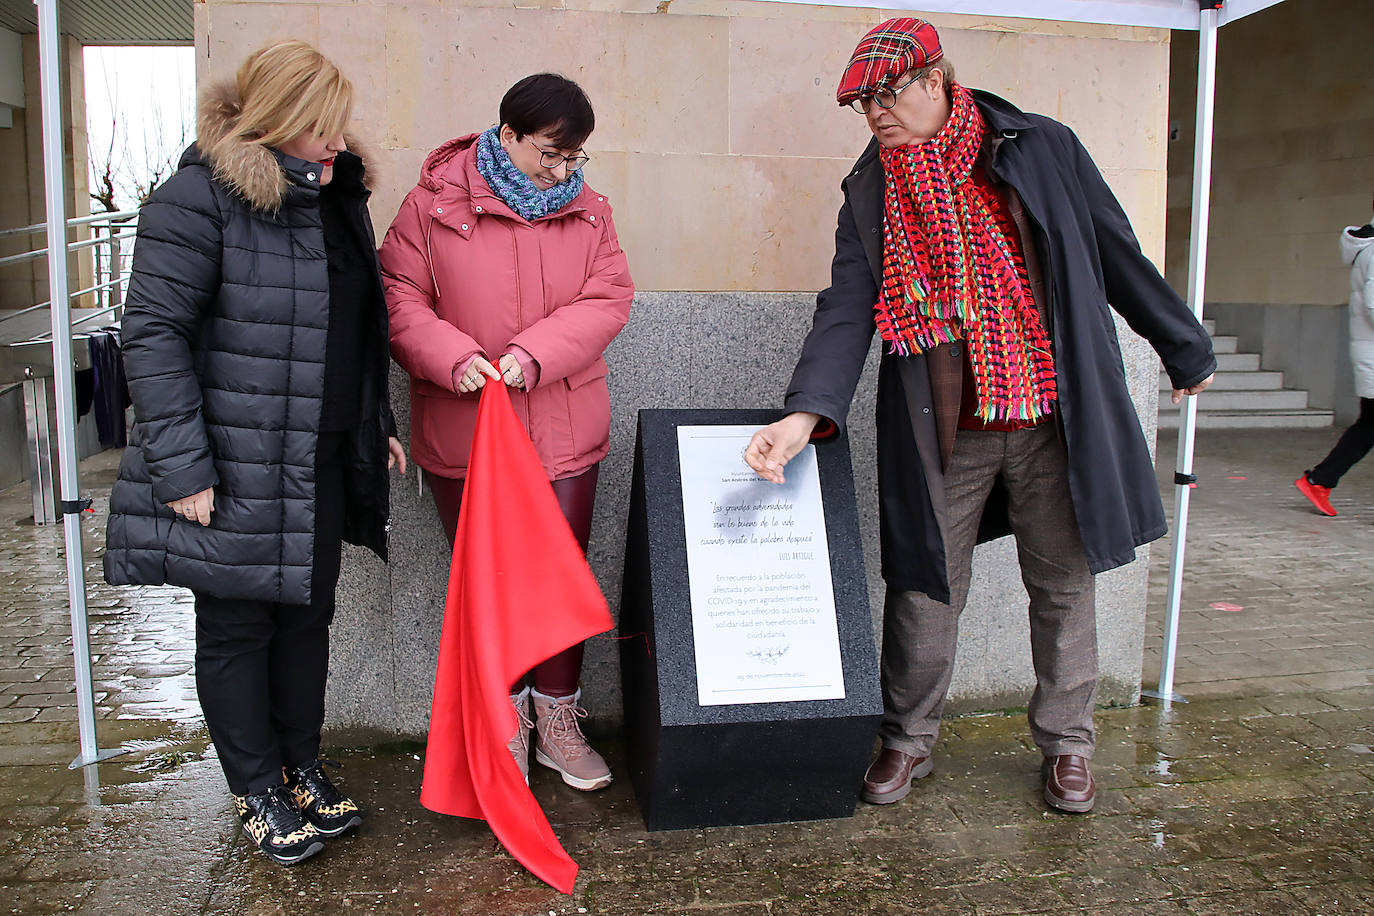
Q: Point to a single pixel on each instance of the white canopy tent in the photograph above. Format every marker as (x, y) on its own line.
(1161, 14)
(1205, 16)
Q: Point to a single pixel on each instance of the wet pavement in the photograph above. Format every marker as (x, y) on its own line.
(1257, 796)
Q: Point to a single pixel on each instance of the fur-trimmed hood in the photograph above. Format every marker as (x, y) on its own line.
(261, 175)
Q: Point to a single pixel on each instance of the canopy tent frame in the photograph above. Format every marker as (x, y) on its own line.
(1204, 16)
(1184, 478)
(70, 505)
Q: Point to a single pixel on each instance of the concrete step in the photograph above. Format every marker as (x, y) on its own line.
(1209, 401)
(1224, 344)
(1210, 325)
(1242, 396)
(1238, 362)
(1307, 418)
(1235, 381)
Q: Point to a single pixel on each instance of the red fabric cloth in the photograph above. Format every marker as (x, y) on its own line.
(968, 405)
(513, 601)
(949, 271)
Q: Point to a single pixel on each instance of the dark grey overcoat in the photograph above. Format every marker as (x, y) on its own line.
(1091, 260)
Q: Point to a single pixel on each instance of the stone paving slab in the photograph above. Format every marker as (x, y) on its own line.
(1276, 597)
(1256, 797)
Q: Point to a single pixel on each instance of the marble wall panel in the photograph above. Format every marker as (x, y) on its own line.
(717, 107)
(1141, 195)
(730, 222)
(1112, 93)
(448, 66)
(234, 30)
(1291, 159)
(782, 91)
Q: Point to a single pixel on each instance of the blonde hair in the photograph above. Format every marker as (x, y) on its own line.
(288, 89)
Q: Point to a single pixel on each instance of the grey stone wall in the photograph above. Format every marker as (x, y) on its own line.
(684, 350)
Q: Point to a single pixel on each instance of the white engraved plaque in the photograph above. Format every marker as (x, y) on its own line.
(758, 569)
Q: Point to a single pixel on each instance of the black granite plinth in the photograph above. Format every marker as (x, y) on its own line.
(756, 763)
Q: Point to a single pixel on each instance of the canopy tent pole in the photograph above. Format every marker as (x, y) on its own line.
(1197, 283)
(70, 507)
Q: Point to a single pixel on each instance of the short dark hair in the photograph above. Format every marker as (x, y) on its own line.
(552, 104)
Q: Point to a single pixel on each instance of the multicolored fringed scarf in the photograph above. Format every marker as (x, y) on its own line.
(950, 272)
(515, 187)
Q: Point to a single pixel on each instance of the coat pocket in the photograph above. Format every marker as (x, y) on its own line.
(441, 434)
(589, 411)
(590, 374)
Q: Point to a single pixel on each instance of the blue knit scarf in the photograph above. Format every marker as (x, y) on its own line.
(516, 188)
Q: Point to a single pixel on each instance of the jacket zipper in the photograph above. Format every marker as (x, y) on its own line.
(429, 253)
(519, 325)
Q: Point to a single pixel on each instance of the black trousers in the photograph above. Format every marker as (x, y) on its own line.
(261, 665)
(1354, 444)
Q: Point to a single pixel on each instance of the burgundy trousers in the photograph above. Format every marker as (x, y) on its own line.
(558, 676)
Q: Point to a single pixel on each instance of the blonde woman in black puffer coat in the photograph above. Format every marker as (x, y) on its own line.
(255, 344)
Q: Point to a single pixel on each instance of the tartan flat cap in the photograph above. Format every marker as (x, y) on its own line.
(885, 53)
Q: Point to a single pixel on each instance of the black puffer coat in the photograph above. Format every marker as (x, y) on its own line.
(1091, 261)
(224, 346)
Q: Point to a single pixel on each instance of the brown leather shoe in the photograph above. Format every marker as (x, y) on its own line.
(1069, 785)
(889, 777)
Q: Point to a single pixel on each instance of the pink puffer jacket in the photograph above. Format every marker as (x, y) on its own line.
(465, 275)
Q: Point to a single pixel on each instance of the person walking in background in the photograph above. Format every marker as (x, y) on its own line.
(503, 265)
(991, 246)
(255, 342)
(1357, 250)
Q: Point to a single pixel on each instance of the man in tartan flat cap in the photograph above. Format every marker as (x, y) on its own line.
(984, 247)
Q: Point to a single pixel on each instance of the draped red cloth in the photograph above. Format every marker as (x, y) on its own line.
(519, 592)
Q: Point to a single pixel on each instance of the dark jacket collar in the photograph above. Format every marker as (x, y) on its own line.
(302, 177)
(350, 175)
(1004, 118)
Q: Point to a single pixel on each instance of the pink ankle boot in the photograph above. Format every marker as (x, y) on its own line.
(560, 745)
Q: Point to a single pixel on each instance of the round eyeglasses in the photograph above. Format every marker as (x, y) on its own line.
(883, 98)
(552, 159)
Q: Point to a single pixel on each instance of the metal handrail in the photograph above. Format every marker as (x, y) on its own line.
(108, 284)
(74, 221)
(84, 319)
(73, 246)
(119, 215)
(124, 220)
(32, 308)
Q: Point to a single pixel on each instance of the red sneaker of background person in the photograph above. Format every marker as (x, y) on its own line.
(1319, 495)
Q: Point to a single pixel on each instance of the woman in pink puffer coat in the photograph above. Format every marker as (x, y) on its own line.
(503, 265)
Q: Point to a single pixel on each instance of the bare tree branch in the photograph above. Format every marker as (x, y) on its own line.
(134, 166)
